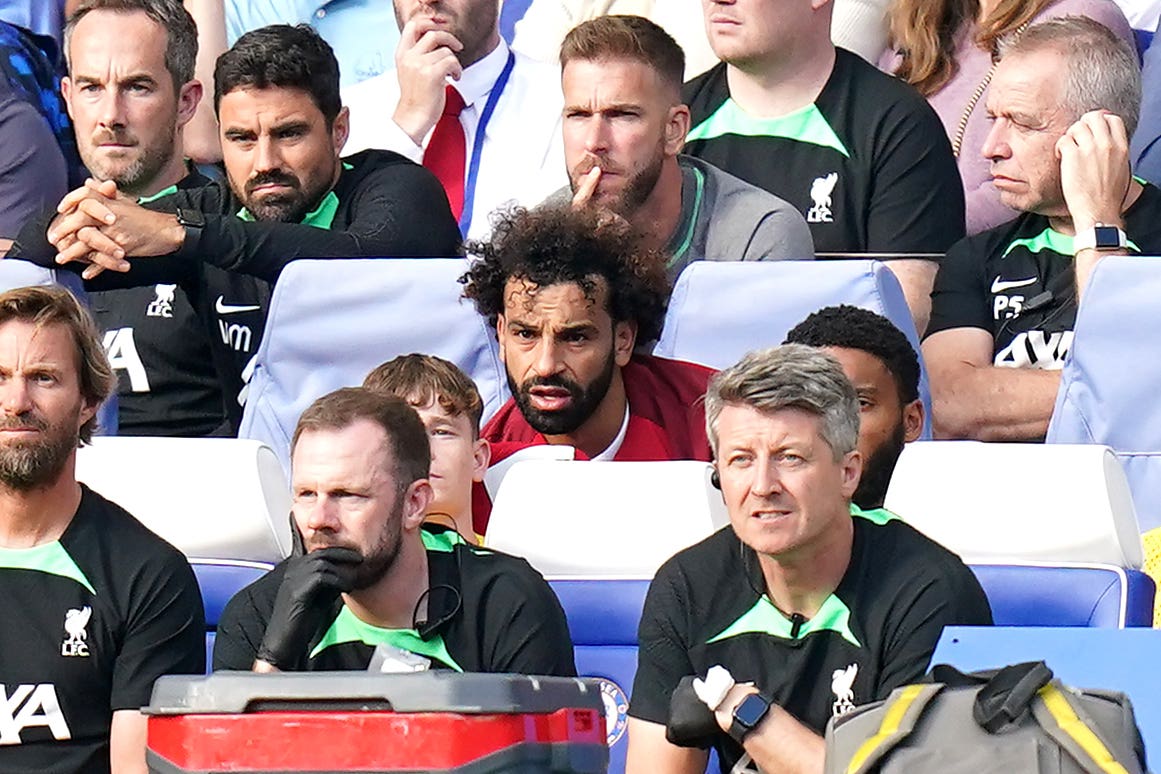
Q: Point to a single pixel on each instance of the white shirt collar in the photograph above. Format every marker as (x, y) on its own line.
(611, 452)
(477, 80)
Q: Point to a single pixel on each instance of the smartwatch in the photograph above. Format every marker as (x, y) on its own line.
(193, 221)
(748, 715)
(1101, 238)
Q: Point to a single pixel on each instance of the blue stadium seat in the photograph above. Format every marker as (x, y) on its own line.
(219, 580)
(1108, 389)
(654, 509)
(720, 311)
(223, 502)
(332, 321)
(619, 520)
(1026, 513)
(602, 619)
(1067, 595)
(15, 273)
(211, 498)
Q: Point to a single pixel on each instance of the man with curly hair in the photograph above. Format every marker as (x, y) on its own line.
(884, 369)
(571, 293)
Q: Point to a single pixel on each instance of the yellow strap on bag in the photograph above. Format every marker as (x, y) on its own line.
(903, 708)
(1070, 724)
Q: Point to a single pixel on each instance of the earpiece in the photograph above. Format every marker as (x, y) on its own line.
(716, 480)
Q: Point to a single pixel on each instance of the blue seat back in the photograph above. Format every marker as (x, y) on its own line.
(1067, 595)
(602, 619)
(719, 311)
(332, 321)
(219, 580)
(16, 273)
(1108, 389)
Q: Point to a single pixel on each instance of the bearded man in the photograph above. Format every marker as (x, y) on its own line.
(98, 606)
(376, 582)
(624, 127)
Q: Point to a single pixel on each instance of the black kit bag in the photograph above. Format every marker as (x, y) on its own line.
(1015, 720)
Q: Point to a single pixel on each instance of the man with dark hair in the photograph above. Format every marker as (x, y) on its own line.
(131, 92)
(571, 293)
(1064, 100)
(624, 127)
(484, 119)
(97, 606)
(884, 369)
(290, 195)
(376, 585)
(141, 157)
(450, 406)
(752, 640)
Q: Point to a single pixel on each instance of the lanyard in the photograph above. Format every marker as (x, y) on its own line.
(478, 144)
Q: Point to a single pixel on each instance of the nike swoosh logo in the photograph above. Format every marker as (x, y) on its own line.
(999, 286)
(223, 308)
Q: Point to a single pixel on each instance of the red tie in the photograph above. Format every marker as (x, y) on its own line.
(448, 149)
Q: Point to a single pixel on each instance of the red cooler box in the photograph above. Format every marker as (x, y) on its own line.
(360, 722)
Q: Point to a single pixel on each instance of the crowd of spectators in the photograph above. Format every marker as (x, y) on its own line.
(178, 158)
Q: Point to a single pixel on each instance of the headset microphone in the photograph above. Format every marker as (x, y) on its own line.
(1038, 301)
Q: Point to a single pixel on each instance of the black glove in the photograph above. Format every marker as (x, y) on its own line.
(309, 588)
(691, 722)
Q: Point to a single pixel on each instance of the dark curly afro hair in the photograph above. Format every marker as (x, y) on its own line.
(554, 245)
(851, 327)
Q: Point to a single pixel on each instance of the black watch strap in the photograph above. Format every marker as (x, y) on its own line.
(193, 221)
(190, 218)
(748, 715)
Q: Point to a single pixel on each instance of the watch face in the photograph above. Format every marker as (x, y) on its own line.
(187, 217)
(1107, 237)
(750, 712)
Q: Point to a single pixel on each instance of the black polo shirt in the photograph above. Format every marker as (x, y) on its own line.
(382, 206)
(868, 163)
(91, 620)
(162, 354)
(487, 612)
(1016, 281)
(876, 631)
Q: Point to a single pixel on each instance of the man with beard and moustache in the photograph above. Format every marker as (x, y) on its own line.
(375, 580)
(484, 119)
(884, 369)
(131, 91)
(289, 195)
(624, 126)
(571, 292)
(96, 606)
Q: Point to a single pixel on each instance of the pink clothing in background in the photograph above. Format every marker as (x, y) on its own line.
(984, 209)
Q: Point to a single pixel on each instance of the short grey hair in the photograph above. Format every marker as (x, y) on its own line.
(181, 42)
(789, 376)
(1103, 70)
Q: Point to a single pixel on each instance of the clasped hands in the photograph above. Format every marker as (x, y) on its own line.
(98, 225)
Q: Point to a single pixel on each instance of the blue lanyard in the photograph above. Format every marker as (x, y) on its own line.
(478, 144)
